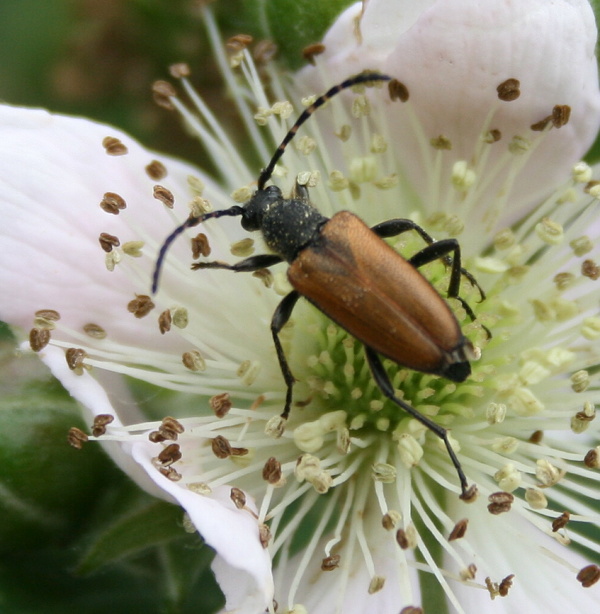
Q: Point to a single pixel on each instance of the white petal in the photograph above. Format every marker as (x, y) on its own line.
(452, 54)
(53, 175)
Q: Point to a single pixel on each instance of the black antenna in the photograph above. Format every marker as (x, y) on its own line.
(189, 223)
(363, 77)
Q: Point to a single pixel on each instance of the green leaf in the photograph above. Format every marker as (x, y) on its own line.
(156, 523)
(291, 24)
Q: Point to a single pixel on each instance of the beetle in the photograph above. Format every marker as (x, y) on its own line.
(348, 272)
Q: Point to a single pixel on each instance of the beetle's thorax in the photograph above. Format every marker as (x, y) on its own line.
(287, 225)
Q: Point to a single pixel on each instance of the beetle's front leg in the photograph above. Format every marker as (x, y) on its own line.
(280, 317)
(254, 263)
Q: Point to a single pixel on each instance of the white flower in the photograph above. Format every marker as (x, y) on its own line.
(351, 476)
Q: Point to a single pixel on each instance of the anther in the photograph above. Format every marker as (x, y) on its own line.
(156, 170)
(164, 321)
(220, 404)
(547, 474)
(441, 142)
(169, 455)
(170, 473)
(590, 269)
(376, 584)
(310, 51)
(200, 246)
(193, 361)
(170, 428)
(329, 563)
(271, 472)
(221, 447)
(100, 423)
(50, 315)
(536, 437)
(133, 248)
(492, 136)
(470, 495)
(75, 358)
(113, 146)
(140, 306)
(505, 585)
(107, 241)
(592, 458)
(238, 42)
(181, 70)
(407, 538)
(563, 280)
(398, 91)
(500, 502)
(580, 381)
(264, 535)
(242, 248)
(264, 51)
(164, 195)
(76, 437)
(550, 232)
(560, 115)
(265, 276)
(162, 92)
(94, 330)
(509, 90)
(469, 573)
(459, 530)
(589, 575)
(238, 497)
(39, 338)
(536, 499)
(391, 520)
(561, 522)
(112, 203)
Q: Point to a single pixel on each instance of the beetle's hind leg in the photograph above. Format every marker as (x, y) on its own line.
(280, 317)
(383, 381)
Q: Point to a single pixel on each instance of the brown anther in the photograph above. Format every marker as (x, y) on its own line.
(94, 330)
(170, 473)
(493, 136)
(470, 494)
(169, 455)
(509, 90)
(260, 399)
(310, 51)
(560, 115)
(402, 539)
(38, 339)
(592, 459)
(563, 280)
(265, 276)
(221, 447)
(172, 425)
(500, 502)
(76, 437)
(200, 246)
(238, 42)
(470, 572)
(264, 51)
(459, 530)
(113, 146)
(492, 588)
(411, 609)
(180, 70)
(140, 306)
(100, 422)
(220, 404)
(590, 184)
(541, 125)
(156, 170)
(48, 314)
(583, 416)
(164, 321)
(107, 242)
(505, 585)
(112, 203)
(331, 562)
(441, 142)
(165, 196)
(162, 92)
(589, 575)
(271, 472)
(590, 269)
(398, 91)
(239, 451)
(536, 437)
(238, 497)
(264, 534)
(561, 522)
(156, 437)
(75, 358)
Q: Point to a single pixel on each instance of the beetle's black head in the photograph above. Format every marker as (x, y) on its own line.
(258, 206)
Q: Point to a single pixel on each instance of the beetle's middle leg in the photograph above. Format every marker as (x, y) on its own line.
(383, 381)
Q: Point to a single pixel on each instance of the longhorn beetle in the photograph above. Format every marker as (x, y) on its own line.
(353, 276)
